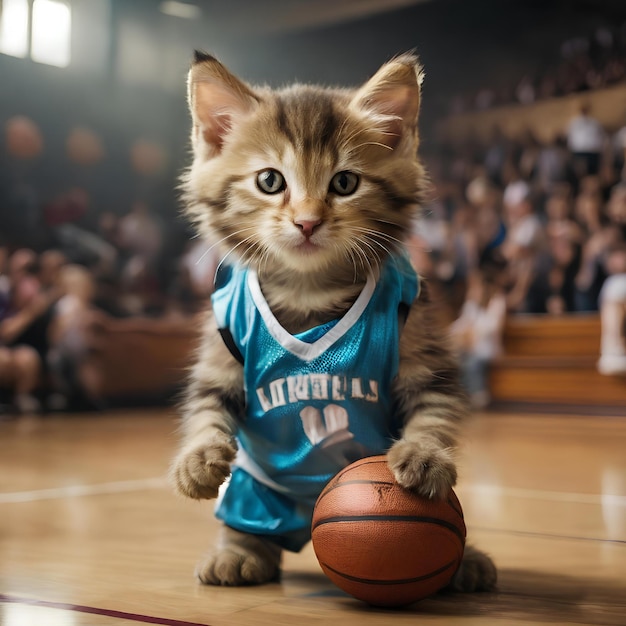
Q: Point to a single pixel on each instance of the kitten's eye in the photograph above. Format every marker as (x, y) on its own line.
(344, 183)
(270, 181)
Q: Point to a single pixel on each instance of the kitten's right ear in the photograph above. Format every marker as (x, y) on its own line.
(216, 100)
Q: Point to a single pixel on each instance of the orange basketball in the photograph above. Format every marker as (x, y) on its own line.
(382, 543)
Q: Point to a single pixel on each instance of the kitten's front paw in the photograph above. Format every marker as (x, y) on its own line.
(198, 472)
(425, 468)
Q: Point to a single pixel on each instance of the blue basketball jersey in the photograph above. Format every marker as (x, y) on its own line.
(315, 401)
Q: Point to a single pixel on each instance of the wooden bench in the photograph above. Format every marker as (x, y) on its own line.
(548, 361)
(551, 361)
(138, 360)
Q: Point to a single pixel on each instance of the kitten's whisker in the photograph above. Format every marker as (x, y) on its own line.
(378, 233)
(356, 133)
(219, 241)
(380, 220)
(233, 248)
(349, 254)
(264, 258)
(367, 264)
(375, 240)
(371, 143)
(364, 241)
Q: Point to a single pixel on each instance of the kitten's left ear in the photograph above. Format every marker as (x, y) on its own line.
(217, 99)
(392, 99)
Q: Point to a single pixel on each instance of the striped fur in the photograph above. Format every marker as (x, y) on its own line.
(309, 134)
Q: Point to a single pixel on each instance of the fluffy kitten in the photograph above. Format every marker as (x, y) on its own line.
(312, 192)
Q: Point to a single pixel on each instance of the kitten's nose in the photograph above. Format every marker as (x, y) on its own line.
(307, 226)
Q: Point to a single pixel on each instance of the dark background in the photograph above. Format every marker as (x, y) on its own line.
(126, 80)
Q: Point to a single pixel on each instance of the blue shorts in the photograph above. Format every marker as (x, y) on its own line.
(251, 507)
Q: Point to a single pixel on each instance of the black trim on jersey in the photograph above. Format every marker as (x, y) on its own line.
(230, 344)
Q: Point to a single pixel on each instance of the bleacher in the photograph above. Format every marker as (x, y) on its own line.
(550, 363)
(546, 119)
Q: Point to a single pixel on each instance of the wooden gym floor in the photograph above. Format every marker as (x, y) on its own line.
(91, 534)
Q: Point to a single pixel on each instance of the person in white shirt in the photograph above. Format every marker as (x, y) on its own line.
(477, 332)
(586, 139)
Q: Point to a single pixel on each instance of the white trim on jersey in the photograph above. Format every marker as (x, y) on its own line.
(303, 350)
(244, 461)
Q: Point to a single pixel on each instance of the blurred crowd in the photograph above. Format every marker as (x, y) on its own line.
(51, 299)
(551, 212)
(66, 262)
(519, 226)
(579, 64)
(52, 302)
(513, 226)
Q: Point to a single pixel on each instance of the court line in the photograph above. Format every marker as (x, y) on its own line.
(75, 491)
(530, 533)
(552, 496)
(77, 608)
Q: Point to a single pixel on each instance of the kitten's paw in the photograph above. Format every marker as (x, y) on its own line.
(476, 573)
(198, 472)
(240, 560)
(425, 468)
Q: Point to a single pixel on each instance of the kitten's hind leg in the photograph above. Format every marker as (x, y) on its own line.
(240, 559)
(476, 573)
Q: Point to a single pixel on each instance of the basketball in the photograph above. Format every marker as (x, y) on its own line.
(382, 543)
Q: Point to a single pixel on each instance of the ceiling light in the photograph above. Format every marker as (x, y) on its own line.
(180, 9)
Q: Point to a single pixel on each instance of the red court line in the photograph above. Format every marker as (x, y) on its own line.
(144, 619)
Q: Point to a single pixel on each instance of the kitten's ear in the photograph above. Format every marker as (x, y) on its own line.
(392, 99)
(216, 100)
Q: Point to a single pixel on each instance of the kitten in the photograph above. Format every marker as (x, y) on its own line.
(312, 192)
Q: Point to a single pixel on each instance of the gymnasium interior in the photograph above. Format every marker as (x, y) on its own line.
(521, 206)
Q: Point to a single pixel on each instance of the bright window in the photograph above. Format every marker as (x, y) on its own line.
(45, 34)
(14, 27)
(51, 33)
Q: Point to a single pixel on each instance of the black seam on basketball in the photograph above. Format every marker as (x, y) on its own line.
(351, 469)
(455, 509)
(411, 519)
(399, 581)
(353, 482)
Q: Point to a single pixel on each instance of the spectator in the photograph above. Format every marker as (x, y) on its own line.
(529, 156)
(196, 275)
(619, 152)
(553, 165)
(21, 343)
(525, 251)
(141, 239)
(613, 314)
(591, 275)
(22, 274)
(20, 370)
(27, 317)
(477, 332)
(564, 237)
(67, 216)
(50, 264)
(616, 210)
(67, 333)
(19, 365)
(495, 155)
(585, 139)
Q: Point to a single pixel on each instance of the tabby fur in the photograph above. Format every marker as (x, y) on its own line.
(313, 251)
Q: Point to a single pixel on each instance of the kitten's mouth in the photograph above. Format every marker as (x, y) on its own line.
(308, 247)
